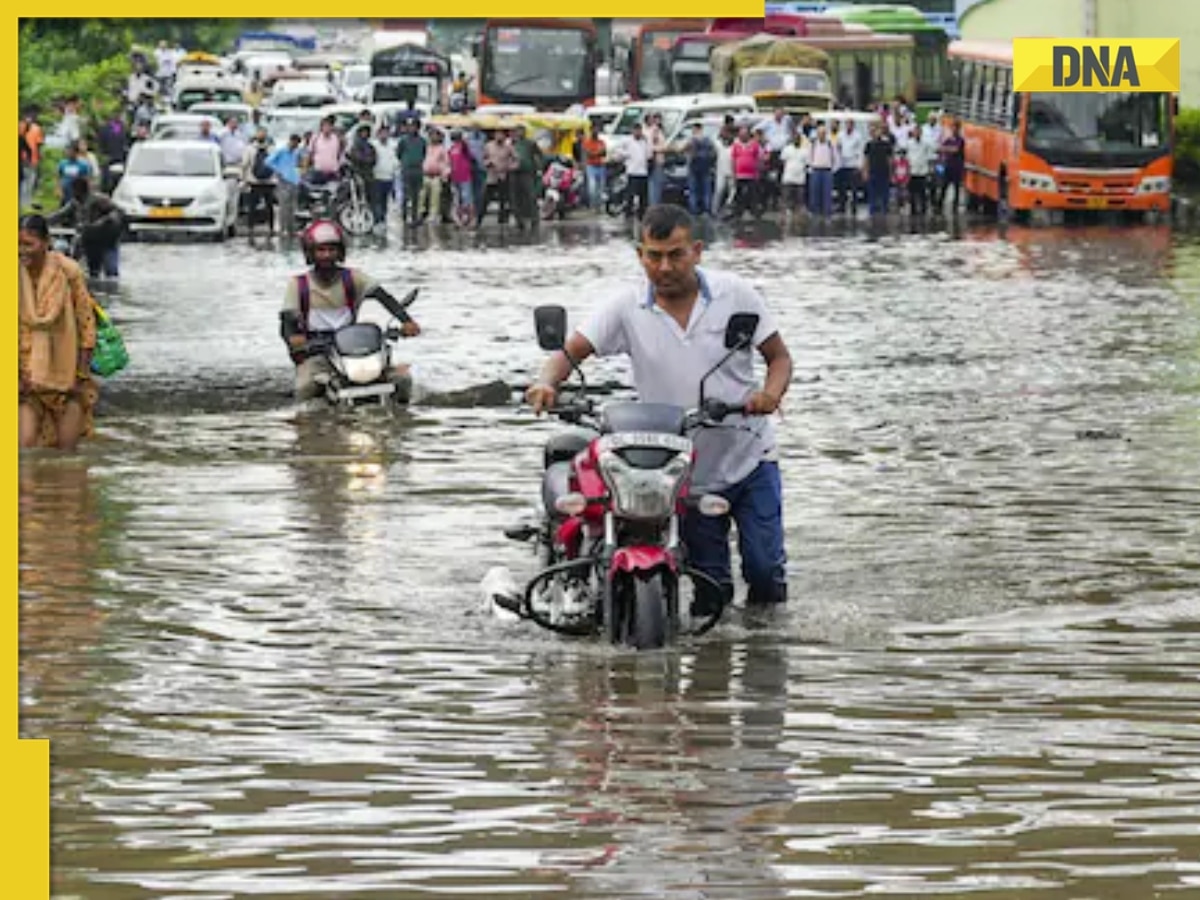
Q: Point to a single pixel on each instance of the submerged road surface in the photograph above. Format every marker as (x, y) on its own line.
(254, 639)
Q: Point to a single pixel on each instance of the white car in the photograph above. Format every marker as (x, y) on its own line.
(177, 186)
(302, 92)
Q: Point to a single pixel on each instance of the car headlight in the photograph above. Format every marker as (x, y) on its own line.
(214, 196)
(123, 194)
(1031, 181)
(642, 493)
(1158, 185)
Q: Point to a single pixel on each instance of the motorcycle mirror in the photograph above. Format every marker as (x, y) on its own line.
(739, 331)
(551, 325)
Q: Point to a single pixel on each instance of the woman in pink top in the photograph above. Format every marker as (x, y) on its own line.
(747, 159)
(436, 169)
(461, 176)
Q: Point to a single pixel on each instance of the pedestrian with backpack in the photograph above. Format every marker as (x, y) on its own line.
(259, 180)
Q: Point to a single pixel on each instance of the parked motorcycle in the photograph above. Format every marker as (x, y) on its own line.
(344, 201)
(563, 186)
(361, 361)
(613, 497)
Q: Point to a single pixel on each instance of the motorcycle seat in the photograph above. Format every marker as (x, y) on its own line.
(564, 447)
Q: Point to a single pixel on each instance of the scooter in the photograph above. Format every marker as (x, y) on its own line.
(563, 185)
(360, 358)
(613, 497)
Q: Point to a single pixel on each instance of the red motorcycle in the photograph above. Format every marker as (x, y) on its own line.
(612, 499)
(562, 188)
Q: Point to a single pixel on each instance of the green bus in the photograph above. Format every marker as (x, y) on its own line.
(929, 63)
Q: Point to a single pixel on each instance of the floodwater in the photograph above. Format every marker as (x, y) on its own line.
(255, 639)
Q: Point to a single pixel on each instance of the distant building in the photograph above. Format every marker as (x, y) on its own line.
(1007, 19)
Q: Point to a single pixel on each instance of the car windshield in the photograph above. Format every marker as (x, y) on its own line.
(631, 115)
(789, 82)
(177, 162)
(190, 97)
(301, 101)
(284, 127)
(1096, 122)
(403, 91)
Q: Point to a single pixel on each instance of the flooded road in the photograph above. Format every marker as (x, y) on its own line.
(255, 640)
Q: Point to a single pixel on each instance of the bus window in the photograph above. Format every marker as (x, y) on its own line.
(957, 88)
(1004, 92)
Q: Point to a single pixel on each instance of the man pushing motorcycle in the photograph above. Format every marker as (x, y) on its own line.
(325, 298)
(672, 327)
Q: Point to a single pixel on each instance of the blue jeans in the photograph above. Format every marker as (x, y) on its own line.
(597, 177)
(756, 505)
(699, 191)
(658, 175)
(878, 187)
(820, 191)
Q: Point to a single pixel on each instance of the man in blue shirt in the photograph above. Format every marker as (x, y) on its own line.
(71, 167)
(285, 162)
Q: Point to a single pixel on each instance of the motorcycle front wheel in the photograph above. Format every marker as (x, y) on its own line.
(640, 610)
(356, 217)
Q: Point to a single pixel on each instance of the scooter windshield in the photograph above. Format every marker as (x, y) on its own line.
(361, 339)
(656, 418)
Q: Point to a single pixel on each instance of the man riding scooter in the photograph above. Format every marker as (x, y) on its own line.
(325, 298)
(98, 225)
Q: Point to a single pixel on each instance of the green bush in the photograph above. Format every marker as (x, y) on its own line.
(1187, 148)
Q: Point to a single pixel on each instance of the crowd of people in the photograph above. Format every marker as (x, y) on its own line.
(804, 166)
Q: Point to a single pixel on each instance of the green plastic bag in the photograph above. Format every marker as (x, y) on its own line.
(110, 355)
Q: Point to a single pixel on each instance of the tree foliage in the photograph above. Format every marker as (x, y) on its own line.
(90, 57)
(1187, 147)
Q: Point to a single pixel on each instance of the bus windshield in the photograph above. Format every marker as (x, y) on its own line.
(654, 72)
(533, 63)
(1122, 127)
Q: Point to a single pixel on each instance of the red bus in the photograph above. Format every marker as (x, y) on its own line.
(549, 63)
(1102, 150)
(648, 69)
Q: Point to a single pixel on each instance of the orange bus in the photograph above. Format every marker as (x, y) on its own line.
(1080, 151)
(549, 63)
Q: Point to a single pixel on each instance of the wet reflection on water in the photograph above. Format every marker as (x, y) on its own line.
(253, 636)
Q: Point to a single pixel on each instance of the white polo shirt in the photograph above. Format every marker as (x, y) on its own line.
(669, 361)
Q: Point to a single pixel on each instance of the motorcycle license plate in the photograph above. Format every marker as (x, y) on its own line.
(166, 212)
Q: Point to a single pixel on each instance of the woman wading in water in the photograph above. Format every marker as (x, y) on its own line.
(58, 334)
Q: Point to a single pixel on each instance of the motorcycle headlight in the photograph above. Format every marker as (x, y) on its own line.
(363, 369)
(642, 493)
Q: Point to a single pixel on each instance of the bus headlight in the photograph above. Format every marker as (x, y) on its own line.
(1160, 185)
(1031, 181)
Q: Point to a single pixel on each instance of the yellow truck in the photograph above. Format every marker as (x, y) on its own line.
(776, 72)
